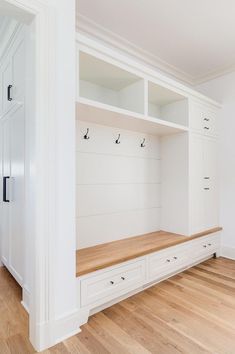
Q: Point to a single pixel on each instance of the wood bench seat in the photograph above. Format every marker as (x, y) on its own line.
(102, 256)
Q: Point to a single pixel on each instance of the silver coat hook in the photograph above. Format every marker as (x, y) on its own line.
(118, 139)
(86, 136)
(143, 143)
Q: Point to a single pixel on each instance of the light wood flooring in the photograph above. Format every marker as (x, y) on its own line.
(191, 313)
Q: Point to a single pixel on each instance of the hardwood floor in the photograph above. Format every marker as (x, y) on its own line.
(191, 313)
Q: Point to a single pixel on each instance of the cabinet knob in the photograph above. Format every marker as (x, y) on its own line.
(168, 260)
(205, 246)
(175, 257)
(111, 282)
(123, 278)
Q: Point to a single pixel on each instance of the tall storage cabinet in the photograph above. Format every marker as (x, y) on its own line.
(203, 169)
(12, 127)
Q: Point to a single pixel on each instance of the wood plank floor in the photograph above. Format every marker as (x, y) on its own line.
(191, 313)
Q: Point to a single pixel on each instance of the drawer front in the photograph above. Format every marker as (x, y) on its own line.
(168, 261)
(203, 120)
(206, 246)
(109, 284)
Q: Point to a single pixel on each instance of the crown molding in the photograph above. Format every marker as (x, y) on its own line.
(94, 30)
(214, 74)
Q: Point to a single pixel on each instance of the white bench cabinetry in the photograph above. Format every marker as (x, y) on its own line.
(112, 283)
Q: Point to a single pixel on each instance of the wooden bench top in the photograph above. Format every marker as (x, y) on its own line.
(108, 254)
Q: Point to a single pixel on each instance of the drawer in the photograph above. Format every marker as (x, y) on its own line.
(168, 261)
(106, 285)
(203, 119)
(206, 246)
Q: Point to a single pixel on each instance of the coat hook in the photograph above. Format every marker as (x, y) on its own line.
(86, 137)
(142, 144)
(118, 139)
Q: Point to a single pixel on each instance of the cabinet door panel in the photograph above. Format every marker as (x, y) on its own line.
(6, 171)
(196, 184)
(17, 195)
(211, 196)
(6, 81)
(18, 71)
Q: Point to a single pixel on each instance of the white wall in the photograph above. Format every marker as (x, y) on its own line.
(223, 90)
(118, 185)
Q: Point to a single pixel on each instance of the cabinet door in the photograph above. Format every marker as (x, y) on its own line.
(6, 82)
(203, 119)
(17, 195)
(211, 195)
(18, 70)
(197, 213)
(6, 172)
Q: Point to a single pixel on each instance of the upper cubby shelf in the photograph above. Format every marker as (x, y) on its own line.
(111, 95)
(167, 105)
(105, 83)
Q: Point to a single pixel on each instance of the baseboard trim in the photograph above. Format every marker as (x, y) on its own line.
(54, 332)
(228, 252)
(25, 299)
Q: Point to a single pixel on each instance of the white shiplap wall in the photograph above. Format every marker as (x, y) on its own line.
(118, 186)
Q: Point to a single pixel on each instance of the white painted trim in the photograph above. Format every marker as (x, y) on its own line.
(45, 225)
(25, 299)
(89, 27)
(228, 252)
(102, 51)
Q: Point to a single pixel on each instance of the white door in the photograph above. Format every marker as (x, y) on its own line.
(211, 195)
(6, 172)
(13, 218)
(18, 70)
(197, 213)
(17, 195)
(6, 85)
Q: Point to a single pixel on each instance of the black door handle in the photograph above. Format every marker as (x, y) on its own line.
(5, 189)
(9, 98)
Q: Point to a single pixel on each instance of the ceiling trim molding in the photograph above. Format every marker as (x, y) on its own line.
(91, 28)
(214, 74)
(94, 30)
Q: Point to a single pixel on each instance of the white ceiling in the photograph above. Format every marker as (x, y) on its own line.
(193, 40)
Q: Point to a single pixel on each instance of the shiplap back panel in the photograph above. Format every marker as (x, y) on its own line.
(118, 185)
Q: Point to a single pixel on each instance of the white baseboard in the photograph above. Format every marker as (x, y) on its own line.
(52, 333)
(25, 299)
(228, 252)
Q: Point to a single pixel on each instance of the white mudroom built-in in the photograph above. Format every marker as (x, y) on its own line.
(147, 188)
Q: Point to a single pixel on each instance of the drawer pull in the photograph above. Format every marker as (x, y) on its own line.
(207, 128)
(207, 189)
(175, 257)
(168, 260)
(206, 177)
(209, 244)
(123, 278)
(205, 246)
(111, 282)
(207, 119)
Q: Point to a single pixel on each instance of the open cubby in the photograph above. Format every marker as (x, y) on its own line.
(103, 82)
(167, 105)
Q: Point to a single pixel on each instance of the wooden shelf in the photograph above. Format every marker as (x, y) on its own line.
(99, 113)
(108, 254)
